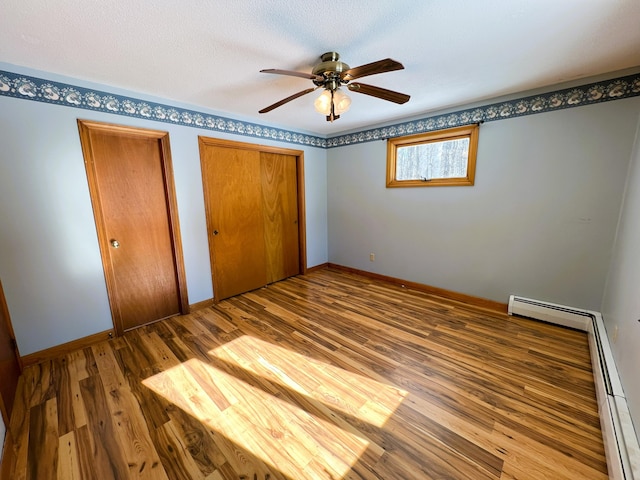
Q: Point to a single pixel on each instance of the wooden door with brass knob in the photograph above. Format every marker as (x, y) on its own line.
(131, 185)
(254, 199)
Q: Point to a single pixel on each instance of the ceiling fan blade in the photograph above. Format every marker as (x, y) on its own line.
(381, 66)
(292, 73)
(382, 93)
(288, 99)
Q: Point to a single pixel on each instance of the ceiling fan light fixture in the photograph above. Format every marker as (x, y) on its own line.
(323, 103)
(341, 102)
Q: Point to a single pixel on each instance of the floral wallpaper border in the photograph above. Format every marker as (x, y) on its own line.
(615, 89)
(41, 90)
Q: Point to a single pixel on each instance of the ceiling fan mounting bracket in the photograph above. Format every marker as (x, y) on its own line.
(330, 69)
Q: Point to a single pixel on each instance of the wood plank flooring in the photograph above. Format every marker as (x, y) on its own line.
(323, 376)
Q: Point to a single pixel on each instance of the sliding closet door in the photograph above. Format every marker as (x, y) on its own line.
(234, 219)
(280, 213)
(253, 200)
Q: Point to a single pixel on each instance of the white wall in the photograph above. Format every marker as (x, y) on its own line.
(539, 222)
(621, 302)
(49, 257)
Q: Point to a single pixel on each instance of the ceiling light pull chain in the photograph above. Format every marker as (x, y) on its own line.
(332, 116)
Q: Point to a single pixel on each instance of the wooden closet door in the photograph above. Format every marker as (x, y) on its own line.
(280, 214)
(131, 184)
(10, 367)
(254, 201)
(233, 202)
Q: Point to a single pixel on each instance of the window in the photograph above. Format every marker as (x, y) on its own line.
(445, 157)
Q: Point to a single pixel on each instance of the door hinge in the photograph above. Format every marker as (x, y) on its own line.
(14, 344)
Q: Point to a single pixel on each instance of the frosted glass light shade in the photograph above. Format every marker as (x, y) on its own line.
(341, 102)
(323, 103)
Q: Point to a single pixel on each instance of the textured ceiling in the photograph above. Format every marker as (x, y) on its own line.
(209, 53)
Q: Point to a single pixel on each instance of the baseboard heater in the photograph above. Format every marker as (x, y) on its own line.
(620, 441)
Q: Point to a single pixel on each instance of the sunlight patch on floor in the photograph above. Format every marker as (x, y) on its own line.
(358, 396)
(296, 432)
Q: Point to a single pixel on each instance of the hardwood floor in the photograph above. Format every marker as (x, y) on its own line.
(324, 376)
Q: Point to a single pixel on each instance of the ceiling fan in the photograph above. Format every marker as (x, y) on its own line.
(331, 74)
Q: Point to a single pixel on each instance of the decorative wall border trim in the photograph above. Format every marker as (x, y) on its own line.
(615, 89)
(41, 90)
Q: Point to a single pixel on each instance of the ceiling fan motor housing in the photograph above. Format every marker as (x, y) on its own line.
(330, 68)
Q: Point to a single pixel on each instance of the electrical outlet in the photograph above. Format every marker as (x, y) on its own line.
(372, 257)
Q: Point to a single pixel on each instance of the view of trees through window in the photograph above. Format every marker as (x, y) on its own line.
(440, 159)
(433, 159)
